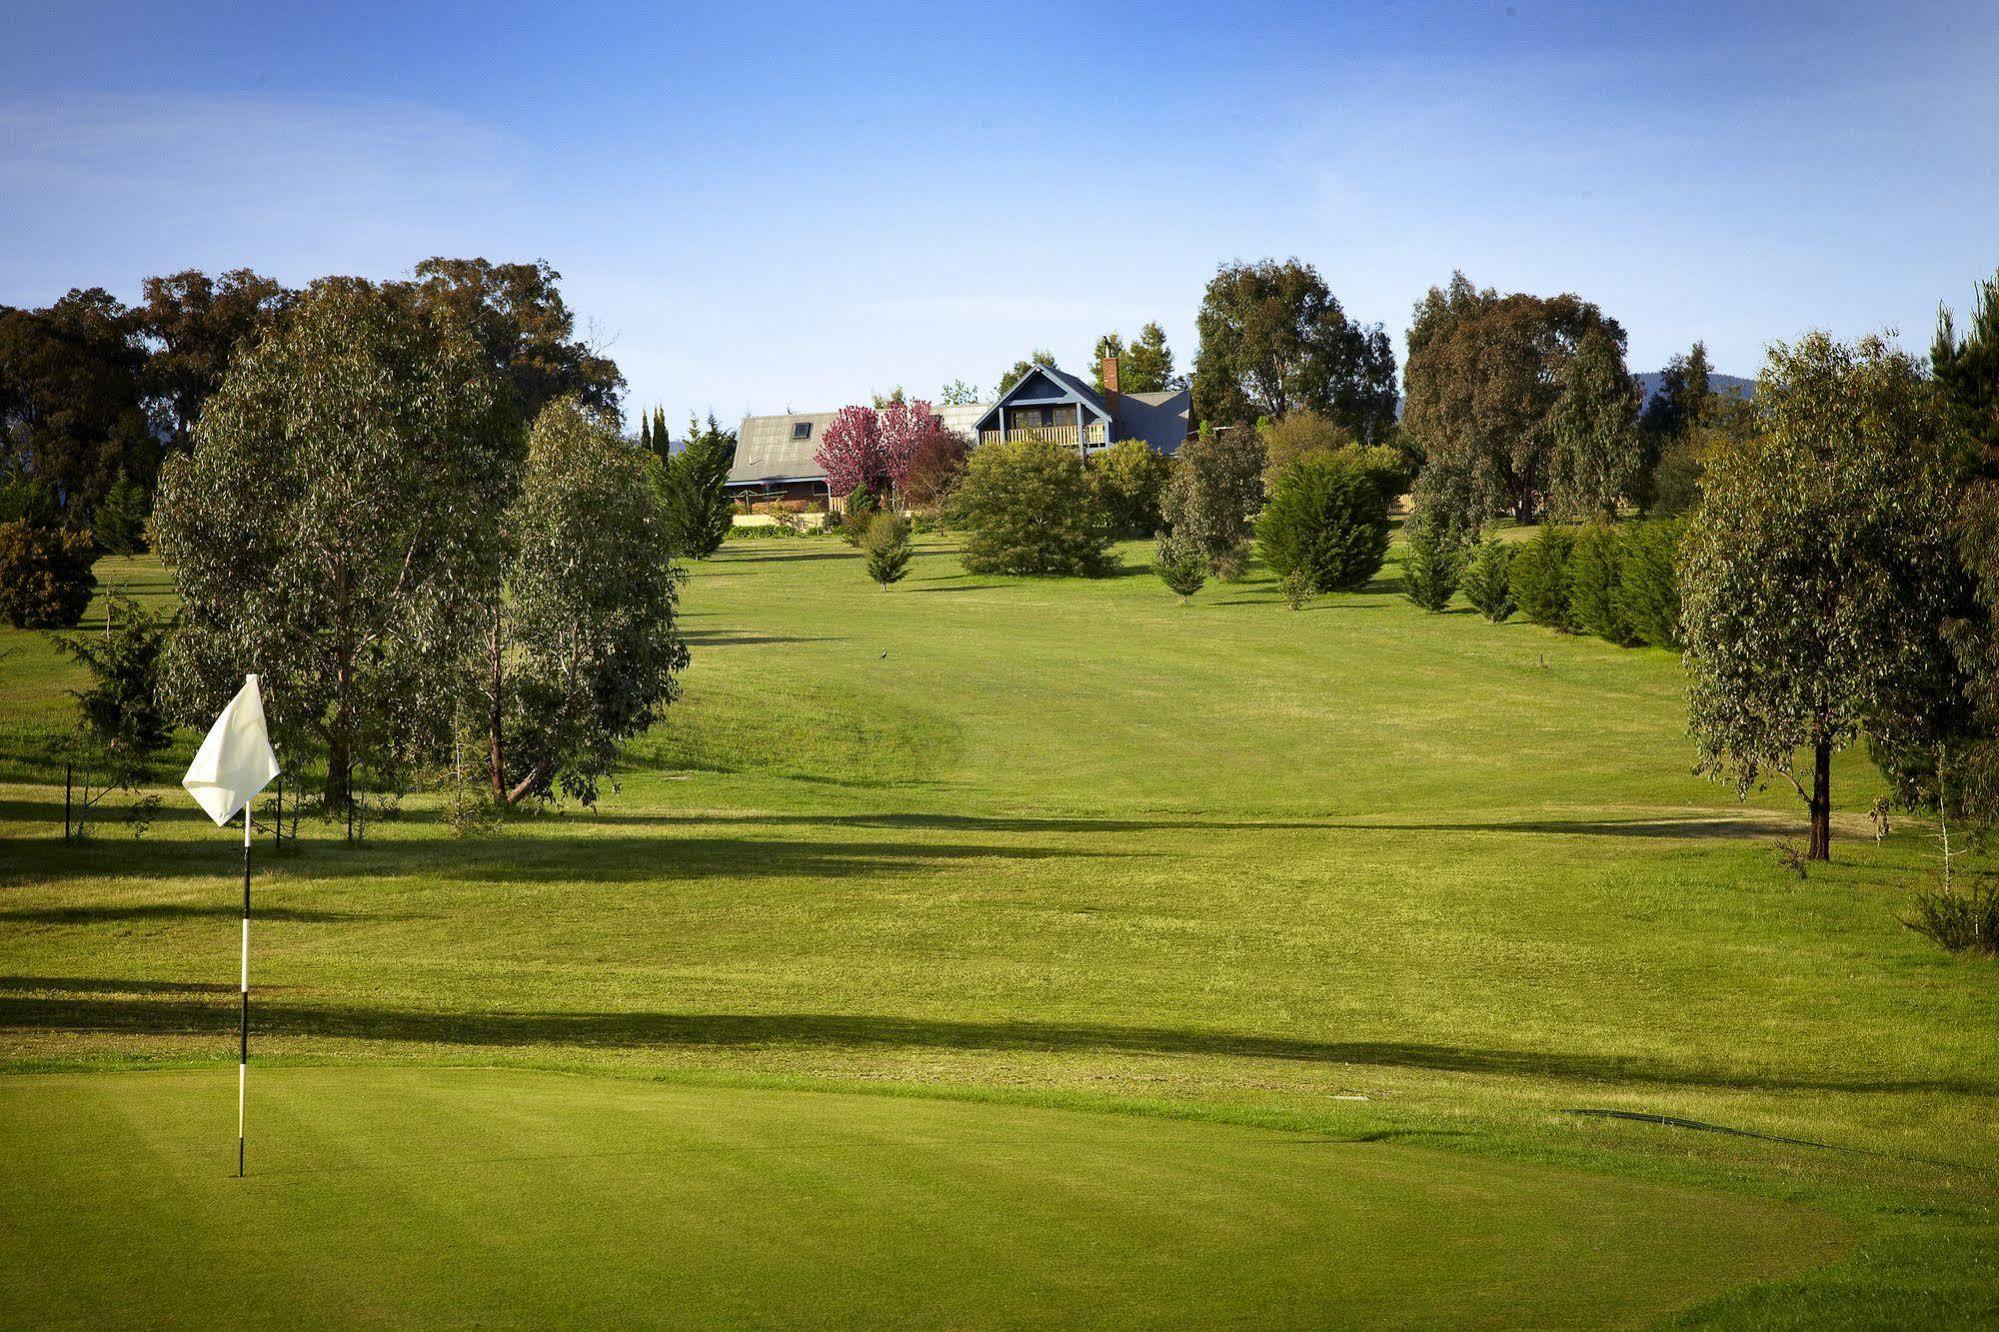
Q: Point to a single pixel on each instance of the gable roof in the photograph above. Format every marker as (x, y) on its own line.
(1040, 378)
(767, 453)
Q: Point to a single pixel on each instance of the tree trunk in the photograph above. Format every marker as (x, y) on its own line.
(1821, 802)
(1524, 508)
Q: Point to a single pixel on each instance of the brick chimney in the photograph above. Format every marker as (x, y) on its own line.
(1108, 373)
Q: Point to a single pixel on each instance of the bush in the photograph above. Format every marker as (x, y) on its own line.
(1596, 596)
(1298, 588)
(120, 521)
(935, 465)
(1959, 921)
(1434, 564)
(1650, 587)
(45, 577)
(1179, 566)
(1217, 485)
(1540, 578)
(1130, 481)
(1026, 508)
(1326, 519)
(886, 548)
(1488, 580)
(855, 514)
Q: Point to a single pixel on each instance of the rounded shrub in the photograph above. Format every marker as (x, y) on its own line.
(1540, 578)
(1327, 522)
(1026, 507)
(45, 575)
(1650, 587)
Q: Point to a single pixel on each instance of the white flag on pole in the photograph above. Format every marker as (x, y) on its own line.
(236, 760)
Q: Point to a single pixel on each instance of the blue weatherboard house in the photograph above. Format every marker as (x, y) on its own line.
(774, 454)
(1058, 406)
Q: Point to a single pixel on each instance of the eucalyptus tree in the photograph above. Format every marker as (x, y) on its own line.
(335, 526)
(1595, 461)
(582, 649)
(1818, 568)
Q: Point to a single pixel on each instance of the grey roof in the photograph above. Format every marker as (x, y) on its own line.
(1162, 419)
(766, 452)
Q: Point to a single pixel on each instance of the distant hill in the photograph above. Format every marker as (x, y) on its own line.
(1649, 381)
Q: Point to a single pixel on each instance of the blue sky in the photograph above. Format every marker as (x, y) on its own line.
(761, 206)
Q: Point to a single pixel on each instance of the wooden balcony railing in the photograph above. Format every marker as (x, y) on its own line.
(1094, 434)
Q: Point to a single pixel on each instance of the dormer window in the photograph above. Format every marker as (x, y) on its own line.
(801, 430)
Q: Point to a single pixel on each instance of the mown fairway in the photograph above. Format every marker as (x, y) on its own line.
(1384, 899)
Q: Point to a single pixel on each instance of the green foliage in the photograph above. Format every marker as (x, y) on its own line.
(195, 326)
(1594, 460)
(585, 650)
(72, 405)
(1290, 437)
(957, 393)
(886, 549)
(358, 628)
(1327, 522)
(1484, 376)
(1216, 486)
(122, 712)
(1179, 566)
(1274, 339)
(1298, 588)
(1540, 578)
(120, 521)
(1488, 580)
(1678, 408)
(1958, 918)
(45, 575)
(1434, 563)
(1026, 508)
(1145, 366)
(1596, 591)
(1819, 568)
(1649, 581)
(694, 498)
(1019, 370)
(856, 514)
(1129, 479)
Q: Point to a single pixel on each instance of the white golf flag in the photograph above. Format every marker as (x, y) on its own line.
(235, 761)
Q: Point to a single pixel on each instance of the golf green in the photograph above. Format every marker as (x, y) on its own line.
(424, 1196)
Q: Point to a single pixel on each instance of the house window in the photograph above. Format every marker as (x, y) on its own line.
(1048, 416)
(801, 430)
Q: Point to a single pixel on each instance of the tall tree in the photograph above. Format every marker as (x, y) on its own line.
(850, 453)
(694, 491)
(900, 426)
(193, 326)
(1681, 405)
(584, 650)
(517, 314)
(1595, 461)
(1967, 375)
(1274, 339)
(336, 527)
(958, 393)
(72, 412)
(1148, 363)
(1818, 566)
(1216, 489)
(1484, 374)
(1018, 371)
(645, 433)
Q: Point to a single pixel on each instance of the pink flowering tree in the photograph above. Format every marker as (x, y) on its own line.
(901, 426)
(850, 452)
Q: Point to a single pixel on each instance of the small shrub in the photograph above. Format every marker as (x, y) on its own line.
(1650, 586)
(45, 577)
(886, 548)
(855, 515)
(1326, 518)
(1434, 564)
(1488, 580)
(1298, 588)
(1129, 479)
(1540, 578)
(1217, 484)
(1596, 599)
(1959, 920)
(1026, 508)
(1179, 566)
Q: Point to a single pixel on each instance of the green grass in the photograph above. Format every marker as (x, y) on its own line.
(1005, 843)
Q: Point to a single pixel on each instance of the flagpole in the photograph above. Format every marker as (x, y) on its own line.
(243, 1061)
